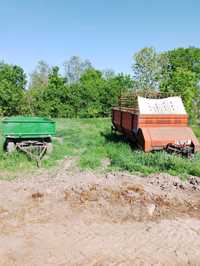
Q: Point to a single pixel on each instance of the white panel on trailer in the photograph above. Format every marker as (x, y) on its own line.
(170, 105)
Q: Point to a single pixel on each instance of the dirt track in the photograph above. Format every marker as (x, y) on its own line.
(67, 217)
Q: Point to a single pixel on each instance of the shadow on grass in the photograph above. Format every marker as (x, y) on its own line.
(119, 138)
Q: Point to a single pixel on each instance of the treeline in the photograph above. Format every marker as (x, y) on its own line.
(83, 91)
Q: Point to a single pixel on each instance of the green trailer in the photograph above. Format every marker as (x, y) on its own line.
(29, 134)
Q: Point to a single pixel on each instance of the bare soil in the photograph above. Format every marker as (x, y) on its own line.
(68, 217)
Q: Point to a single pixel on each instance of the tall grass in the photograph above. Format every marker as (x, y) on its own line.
(91, 141)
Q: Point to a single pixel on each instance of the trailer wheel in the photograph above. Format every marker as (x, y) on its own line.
(10, 147)
(49, 148)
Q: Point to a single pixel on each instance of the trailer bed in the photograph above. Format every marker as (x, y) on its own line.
(154, 131)
(25, 127)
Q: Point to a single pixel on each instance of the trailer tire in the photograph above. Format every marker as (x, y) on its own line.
(49, 148)
(10, 147)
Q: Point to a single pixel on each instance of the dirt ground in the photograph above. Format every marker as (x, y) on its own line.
(67, 217)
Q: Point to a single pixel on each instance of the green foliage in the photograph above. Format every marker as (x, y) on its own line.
(196, 130)
(86, 92)
(183, 83)
(124, 158)
(51, 100)
(54, 95)
(92, 96)
(149, 68)
(75, 67)
(185, 58)
(39, 77)
(82, 92)
(90, 86)
(114, 86)
(184, 76)
(12, 85)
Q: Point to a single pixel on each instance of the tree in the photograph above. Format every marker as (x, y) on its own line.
(114, 86)
(184, 77)
(186, 58)
(55, 96)
(183, 82)
(12, 87)
(40, 75)
(108, 74)
(75, 67)
(90, 85)
(149, 69)
(53, 99)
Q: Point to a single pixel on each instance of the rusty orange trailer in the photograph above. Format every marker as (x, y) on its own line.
(154, 131)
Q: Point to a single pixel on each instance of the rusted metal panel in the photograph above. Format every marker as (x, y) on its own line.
(116, 117)
(135, 121)
(154, 138)
(127, 120)
(162, 120)
(154, 132)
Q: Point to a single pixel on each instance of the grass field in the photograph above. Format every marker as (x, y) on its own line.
(91, 141)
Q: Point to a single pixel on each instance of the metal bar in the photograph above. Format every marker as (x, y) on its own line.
(34, 149)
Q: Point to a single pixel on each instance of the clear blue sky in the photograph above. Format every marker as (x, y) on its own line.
(106, 32)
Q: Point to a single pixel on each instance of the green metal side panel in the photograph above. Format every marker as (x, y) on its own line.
(28, 127)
